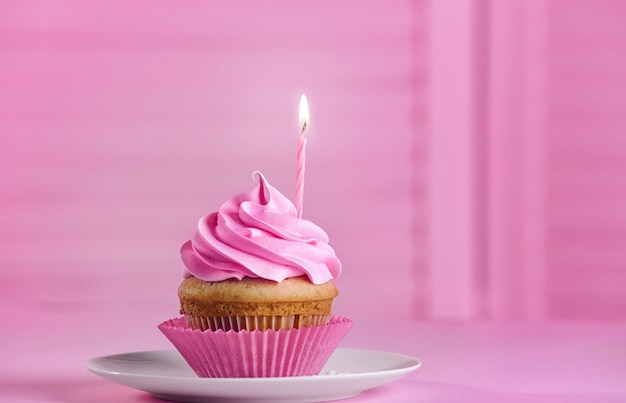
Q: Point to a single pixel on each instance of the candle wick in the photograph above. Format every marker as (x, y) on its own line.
(303, 127)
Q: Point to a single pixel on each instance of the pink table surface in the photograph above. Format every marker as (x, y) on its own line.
(45, 349)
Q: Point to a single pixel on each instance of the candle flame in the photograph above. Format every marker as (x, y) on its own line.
(304, 119)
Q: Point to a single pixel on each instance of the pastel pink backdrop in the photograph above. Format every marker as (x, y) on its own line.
(466, 158)
(123, 123)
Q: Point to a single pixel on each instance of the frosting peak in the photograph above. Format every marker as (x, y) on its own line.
(258, 234)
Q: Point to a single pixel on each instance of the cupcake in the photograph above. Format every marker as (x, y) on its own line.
(257, 292)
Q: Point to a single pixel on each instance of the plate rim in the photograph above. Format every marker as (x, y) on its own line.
(98, 370)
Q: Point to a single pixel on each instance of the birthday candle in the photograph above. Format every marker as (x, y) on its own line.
(304, 123)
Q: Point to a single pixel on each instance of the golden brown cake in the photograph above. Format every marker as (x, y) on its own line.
(255, 303)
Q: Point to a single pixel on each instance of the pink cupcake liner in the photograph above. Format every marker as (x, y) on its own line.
(238, 323)
(256, 354)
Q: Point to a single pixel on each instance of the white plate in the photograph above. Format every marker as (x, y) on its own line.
(166, 375)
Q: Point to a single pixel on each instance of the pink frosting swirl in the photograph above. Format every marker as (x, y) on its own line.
(257, 234)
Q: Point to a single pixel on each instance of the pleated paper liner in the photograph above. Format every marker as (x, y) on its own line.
(238, 323)
(256, 354)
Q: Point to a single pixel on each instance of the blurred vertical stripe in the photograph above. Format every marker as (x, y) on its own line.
(586, 159)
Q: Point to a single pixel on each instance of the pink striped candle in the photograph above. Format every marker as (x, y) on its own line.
(304, 123)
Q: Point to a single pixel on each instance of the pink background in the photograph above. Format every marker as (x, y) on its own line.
(467, 158)
(471, 151)
(124, 123)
